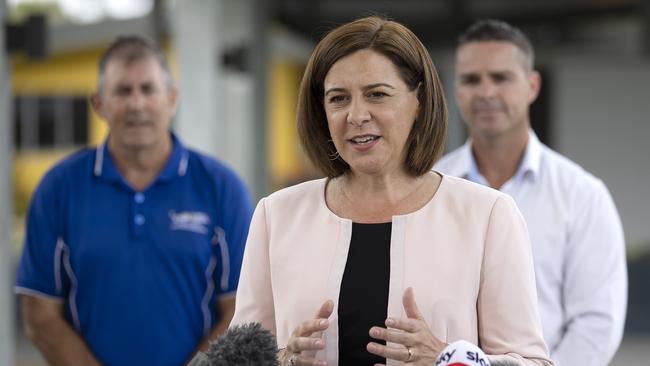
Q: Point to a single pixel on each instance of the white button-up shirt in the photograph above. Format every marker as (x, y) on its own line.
(578, 249)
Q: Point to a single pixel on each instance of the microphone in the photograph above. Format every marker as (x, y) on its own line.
(462, 353)
(245, 345)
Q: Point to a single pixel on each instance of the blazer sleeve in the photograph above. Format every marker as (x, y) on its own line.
(509, 323)
(254, 301)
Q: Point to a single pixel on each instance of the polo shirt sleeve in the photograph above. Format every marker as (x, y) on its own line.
(40, 271)
(235, 213)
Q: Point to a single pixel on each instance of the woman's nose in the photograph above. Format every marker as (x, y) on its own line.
(358, 113)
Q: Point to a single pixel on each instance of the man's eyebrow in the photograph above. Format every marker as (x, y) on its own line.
(468, 75)
(501, 72)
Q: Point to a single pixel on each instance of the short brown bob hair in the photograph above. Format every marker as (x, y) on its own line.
(393, 40)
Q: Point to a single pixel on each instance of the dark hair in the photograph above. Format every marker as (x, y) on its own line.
(130, 49)
(496, 30)
(396, 42)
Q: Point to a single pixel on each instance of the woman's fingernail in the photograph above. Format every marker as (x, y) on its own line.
(319, 343)
(322, 323)
(374, 332)
(390, 322)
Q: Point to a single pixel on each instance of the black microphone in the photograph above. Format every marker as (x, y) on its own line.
(242, 345)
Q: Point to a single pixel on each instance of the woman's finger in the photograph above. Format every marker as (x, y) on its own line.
(393, 353)
(392, 335)
(319, 324)
(299, 344)
(309, 327)
(410, 306)
(325, 309)
(301, 360)
(407, 325)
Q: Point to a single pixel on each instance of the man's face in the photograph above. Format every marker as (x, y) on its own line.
(493, 88)
(137, 102)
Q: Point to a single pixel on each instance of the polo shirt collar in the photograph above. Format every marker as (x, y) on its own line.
(529, 165)
(175, 166)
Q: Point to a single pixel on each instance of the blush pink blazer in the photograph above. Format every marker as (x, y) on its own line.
(466, 254)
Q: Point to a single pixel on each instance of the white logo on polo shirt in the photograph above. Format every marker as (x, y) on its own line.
(194, 221)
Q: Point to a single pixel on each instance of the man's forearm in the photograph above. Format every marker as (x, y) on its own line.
(226, 308)
(60, 344)
(590, 346)
(218, 330)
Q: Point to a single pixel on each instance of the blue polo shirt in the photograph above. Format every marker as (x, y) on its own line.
(139, 272)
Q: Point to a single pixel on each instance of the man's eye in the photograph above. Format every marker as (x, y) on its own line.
(148, 89)
(123, 91)
(470, 80)
(499, 78)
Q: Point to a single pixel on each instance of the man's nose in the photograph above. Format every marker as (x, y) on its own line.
(358, 113)
(487, 89)
(136, 101)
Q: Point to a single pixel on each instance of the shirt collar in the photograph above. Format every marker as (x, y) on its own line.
(529, 165)
(176, 165)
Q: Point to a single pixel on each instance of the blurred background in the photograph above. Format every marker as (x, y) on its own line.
(238, 64)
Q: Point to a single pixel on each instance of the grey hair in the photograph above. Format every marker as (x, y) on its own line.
(130, 49)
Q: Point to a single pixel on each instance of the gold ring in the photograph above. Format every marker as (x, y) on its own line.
(292, 360)
(410, 357)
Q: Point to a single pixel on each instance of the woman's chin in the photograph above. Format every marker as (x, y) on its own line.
(372, 167)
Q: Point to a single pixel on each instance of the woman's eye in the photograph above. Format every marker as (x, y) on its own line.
(377, 94)
(336, 99)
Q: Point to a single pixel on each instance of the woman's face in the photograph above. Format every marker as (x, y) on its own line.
(370, 112)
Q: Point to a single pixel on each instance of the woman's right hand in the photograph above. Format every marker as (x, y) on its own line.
(302, 339)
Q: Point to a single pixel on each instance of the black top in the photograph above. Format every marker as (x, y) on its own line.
(363, 300)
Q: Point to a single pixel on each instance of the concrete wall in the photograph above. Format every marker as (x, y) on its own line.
(602, 121)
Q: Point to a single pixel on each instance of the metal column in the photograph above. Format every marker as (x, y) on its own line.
(7, 257)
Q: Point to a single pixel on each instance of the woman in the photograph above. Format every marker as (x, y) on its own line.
(385, 260)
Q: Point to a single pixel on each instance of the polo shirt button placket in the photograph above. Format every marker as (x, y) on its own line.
(138, 218)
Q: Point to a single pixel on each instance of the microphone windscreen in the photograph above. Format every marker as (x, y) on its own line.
(245, 345)
(462, 353)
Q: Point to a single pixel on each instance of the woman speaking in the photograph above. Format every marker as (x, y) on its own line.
(385, 261)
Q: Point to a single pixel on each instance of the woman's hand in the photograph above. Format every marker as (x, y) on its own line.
(420, 347)
(302, 339)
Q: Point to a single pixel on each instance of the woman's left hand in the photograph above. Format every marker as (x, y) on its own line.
(420, 346)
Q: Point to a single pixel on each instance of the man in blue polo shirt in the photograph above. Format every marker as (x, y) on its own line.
(132, 249)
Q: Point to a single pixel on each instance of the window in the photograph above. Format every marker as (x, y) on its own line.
(42, 122)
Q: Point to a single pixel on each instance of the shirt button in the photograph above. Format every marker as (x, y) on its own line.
(139, 219)
(139, 197)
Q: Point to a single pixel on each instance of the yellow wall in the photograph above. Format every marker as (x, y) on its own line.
(286, 162)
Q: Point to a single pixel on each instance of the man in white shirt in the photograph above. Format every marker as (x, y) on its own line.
(577, 237)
